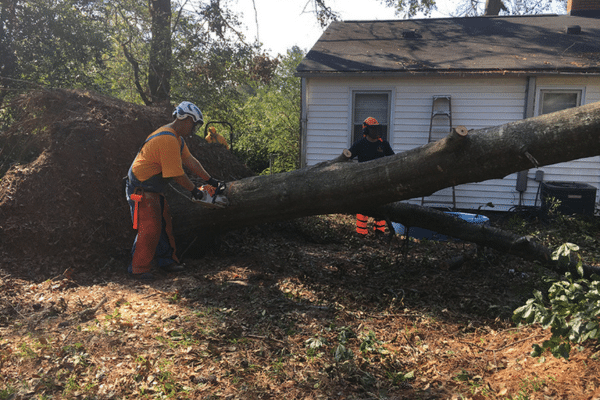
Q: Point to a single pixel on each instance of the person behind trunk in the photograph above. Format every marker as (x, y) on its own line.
(214, 137)
(370, 147)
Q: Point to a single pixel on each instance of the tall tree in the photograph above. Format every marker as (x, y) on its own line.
(172, 45)
(159, 68)
(410, 8)
(7, 56)
(323, 12)
(493, 7)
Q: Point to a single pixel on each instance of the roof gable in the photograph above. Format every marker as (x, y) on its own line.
(463, 45)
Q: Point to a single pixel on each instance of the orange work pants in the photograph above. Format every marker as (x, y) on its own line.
(154, 240)
(361, 225)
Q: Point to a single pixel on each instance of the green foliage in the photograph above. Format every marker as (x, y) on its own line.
(53, 43)
(7, 393)
(269, 120)
(342, 353)
(410, 8)
(345, 334)
(571, 309)
(315, 342)
(530, 386)
(399, 377)
(370, 343)
(26, 351)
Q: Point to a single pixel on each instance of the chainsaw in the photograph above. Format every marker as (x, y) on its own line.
(211, 197)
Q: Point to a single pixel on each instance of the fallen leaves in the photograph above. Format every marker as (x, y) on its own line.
(384, 324)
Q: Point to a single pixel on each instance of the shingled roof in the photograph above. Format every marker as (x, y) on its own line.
(550, 44)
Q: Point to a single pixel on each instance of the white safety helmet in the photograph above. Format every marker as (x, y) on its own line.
(187, 109)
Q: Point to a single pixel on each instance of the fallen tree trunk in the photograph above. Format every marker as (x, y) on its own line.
(446, 224)
(348, 187)
(486, 236)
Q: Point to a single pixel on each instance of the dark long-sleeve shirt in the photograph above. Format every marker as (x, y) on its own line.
(366, 150)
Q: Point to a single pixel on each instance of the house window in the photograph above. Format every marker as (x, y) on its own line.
(370, 104)
(552, 100)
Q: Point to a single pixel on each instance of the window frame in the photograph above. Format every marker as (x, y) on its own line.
(542, 90)
(354, 134)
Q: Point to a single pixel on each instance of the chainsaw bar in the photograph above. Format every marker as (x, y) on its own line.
(219, 202)
(213, 202)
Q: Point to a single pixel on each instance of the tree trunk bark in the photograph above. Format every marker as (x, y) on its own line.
(493, 7)
(159, 70)
(8, 65)
(348, 187)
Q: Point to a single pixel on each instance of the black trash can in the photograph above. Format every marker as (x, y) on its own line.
(574, 197)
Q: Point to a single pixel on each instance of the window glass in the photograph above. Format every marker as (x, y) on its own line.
(372, 104)
(556, 100)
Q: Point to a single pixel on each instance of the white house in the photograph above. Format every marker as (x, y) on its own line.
(419, 77)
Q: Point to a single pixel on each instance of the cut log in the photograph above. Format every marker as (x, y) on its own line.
(525, 247)
(411, 215)
(460, 131)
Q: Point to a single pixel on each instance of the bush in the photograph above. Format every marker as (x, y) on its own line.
(571, 308)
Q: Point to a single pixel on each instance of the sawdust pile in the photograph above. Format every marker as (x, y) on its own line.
(63, 202)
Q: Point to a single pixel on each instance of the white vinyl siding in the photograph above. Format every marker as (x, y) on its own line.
(476, 103)
(328, 115)
(583, 170)
(475, 106)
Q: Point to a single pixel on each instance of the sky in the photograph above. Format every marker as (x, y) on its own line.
(283, 24)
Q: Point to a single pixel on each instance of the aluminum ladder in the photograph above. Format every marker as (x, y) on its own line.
(441, 107)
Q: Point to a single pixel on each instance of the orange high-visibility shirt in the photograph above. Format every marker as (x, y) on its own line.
(160, 155)
(216, 138)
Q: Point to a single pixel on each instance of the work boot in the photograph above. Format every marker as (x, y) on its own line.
(173, 267)
(143, 277)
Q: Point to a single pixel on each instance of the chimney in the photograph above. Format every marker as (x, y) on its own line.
(584, 8)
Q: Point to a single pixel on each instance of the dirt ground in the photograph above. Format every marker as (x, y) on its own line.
(295, 310)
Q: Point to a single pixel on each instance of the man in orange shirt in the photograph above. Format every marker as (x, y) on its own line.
(160, 160)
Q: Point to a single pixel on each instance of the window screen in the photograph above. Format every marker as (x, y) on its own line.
(556, 100)
(371, 104)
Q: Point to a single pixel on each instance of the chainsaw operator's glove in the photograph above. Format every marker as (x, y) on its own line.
(219, 185)
(197, 194)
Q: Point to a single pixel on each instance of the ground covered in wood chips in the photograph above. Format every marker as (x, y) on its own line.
(300, 310)
(295, 310)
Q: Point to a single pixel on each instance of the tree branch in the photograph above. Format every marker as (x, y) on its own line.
(136, 73)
